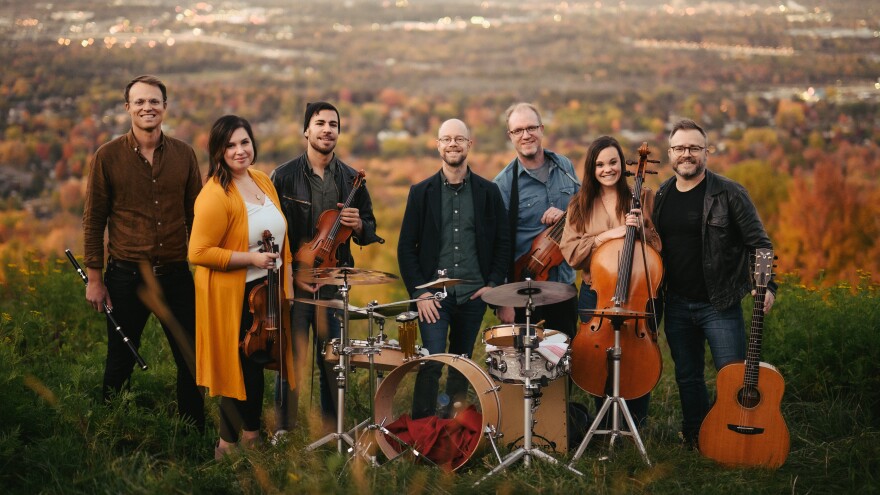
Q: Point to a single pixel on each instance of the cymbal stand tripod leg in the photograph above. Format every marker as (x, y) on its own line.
(616, 405)
(340, 435)
(530, 390)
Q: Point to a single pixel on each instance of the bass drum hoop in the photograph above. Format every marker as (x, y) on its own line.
(482, 383)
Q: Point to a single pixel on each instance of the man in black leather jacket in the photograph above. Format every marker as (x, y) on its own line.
(709, 227)
(308, 185)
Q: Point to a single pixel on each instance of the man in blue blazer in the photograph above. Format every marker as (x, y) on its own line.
(455, 221)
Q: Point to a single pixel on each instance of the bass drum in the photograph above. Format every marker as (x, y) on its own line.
(393, 398)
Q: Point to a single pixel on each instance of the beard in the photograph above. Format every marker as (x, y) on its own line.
(699, 167)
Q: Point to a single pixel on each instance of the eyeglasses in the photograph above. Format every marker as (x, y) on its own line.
(679, 150)
(532, 129)
(458, 140)
(153, 102)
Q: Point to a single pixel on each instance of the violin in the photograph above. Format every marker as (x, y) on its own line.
(626, 273)
(264, 341)
(320, 252)
(543, 254)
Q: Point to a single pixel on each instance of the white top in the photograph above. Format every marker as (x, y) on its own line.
(260, 218)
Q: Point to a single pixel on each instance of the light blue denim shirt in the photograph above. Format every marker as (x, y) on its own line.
(534, 199)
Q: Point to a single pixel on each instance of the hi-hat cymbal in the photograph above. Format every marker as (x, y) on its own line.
(336, 276)
(517, 294)
(442, 282)
(354, 312)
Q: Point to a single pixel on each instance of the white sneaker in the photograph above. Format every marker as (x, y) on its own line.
(279, 437)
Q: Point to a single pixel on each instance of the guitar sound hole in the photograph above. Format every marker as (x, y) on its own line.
(749, 397)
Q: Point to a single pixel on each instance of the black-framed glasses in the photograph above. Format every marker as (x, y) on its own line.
(532, 129)
(458, 140)
(679, 150)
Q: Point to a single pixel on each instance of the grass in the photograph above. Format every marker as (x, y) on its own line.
(56, 436)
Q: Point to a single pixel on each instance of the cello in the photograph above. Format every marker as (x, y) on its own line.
(264, 341)
(543, 254)
(626, 273)
(320, 252)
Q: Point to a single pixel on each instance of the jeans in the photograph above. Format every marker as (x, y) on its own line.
(689, 324)
(324, 326)
(460, 323)
(177, 296)
(638, 407)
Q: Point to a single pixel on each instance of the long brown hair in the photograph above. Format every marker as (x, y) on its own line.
(221, 132)
(581, 206)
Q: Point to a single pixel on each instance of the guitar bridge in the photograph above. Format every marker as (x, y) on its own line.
(745, 430)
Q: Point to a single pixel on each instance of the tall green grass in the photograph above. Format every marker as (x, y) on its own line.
(56, 436)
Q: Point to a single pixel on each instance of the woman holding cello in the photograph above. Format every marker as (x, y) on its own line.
(236, 216)
(601, 212)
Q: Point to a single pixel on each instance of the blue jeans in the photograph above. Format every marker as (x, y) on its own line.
(460, 324)
(689, 324)
(324, 326)
(638, 407)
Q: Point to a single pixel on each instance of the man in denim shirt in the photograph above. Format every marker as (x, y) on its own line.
(544, 183)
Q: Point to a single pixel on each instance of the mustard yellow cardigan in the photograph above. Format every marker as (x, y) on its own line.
(220, 227)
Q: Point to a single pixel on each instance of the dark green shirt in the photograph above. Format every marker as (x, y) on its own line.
(458, 239)
(325, 194)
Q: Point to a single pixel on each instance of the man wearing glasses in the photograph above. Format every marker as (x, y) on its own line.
(454, 221)
(141, 188)
(709, 227)
(536, 186)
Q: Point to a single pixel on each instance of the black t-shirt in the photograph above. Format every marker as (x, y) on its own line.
(681, 220)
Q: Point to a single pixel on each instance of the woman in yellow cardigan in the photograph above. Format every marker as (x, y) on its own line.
(234, 208)
(598, 213)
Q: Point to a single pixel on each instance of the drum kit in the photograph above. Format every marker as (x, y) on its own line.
(520, 354)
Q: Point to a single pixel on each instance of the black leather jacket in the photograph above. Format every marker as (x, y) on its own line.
(292, 183)
(731, 231)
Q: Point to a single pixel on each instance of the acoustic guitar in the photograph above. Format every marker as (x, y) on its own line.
(745, 427)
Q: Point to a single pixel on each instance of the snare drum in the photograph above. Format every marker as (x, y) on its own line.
(507, 364)
(386, 356)
(505, 335)
(483, 388)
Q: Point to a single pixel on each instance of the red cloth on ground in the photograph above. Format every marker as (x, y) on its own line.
(447, 442)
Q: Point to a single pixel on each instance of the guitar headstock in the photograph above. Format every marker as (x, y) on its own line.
(763, 267)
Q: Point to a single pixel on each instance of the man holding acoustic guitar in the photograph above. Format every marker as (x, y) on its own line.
(315, 183)
(709, 228)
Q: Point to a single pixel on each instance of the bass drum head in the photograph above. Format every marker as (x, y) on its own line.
(395, 394)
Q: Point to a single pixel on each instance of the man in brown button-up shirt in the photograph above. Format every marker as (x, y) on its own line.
(142, 187)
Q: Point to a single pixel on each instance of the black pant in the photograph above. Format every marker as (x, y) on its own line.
(245, 414)
(175, 308)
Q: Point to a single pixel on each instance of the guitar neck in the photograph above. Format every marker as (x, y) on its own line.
(756, 333)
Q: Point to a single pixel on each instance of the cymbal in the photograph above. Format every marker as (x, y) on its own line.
(617, 312)
(354, 312)
(442, 282)
(517, 294)
(352, 276)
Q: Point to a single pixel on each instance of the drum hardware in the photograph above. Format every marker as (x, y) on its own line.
(547, 293)
(614, 403)
(344, 277)
(486, 393)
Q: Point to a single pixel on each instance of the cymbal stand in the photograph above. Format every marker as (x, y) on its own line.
(531, 390)
(614, 404)
(341, 369)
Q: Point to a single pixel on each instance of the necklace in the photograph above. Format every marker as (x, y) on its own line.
(256, 193)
